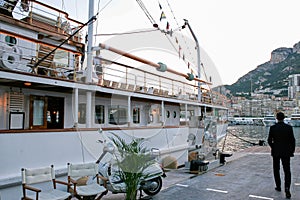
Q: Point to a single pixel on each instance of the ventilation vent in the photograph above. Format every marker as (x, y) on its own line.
(16, 102)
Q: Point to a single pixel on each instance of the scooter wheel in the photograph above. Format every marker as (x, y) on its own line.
(154, 191)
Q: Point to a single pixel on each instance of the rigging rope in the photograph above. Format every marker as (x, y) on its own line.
(98, 8)
(188, 48)
(210, 93)
(171, 43)
(104, 5)
(143, 7)
(91, 20)
(127, 33)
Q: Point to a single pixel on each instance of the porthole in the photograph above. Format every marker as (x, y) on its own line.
(10, 41)
(168, 114)
(174, 114)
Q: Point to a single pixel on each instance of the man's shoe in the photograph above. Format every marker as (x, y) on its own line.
(288, 194)
(278, 189)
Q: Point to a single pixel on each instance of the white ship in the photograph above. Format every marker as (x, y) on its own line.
(53, 102)
(269, 120)
(295, 118)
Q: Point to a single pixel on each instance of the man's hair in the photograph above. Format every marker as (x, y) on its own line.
(280, 116)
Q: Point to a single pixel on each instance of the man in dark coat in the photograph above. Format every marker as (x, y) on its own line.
(282, 142)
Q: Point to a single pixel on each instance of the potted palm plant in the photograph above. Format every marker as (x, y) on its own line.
(132, 159)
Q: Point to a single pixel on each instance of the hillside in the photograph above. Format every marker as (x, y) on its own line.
(270, 77)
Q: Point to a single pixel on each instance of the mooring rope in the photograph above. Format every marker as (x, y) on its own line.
(260, 143)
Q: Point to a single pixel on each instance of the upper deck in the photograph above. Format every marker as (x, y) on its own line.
(43, 48)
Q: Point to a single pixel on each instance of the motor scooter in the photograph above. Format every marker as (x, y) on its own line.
(151, 184)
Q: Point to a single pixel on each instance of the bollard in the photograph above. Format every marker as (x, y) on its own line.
(198, 166)
(223, 155)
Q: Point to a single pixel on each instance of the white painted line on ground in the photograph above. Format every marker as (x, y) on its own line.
(260, 197)
(214, 190)
(297, 184)
(181, 185)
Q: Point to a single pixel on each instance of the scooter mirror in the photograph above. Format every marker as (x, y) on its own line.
(155, 152)
(109, 147)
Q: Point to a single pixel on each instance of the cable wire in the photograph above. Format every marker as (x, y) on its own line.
(143, 7)
(127, 33)
(180, 29)
(97, 23)
(104, 5)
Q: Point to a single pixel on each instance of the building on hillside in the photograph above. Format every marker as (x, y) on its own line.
(261, 107)
(294, 88)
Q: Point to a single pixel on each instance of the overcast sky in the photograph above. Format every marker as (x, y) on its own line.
(238, 35)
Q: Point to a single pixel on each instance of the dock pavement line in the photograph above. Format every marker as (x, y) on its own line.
(181, 185)
(260, 197)
(215, 190)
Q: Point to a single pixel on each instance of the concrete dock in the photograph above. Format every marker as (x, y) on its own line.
(246, 175)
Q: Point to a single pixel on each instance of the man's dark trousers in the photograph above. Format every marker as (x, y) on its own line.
(286, 168)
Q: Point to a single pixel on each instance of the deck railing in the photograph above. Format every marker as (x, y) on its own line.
(118, 76)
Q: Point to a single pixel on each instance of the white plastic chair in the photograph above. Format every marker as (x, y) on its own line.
(31, 177)
(90, 189)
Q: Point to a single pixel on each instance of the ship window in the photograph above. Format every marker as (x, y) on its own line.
(187, 114)
(117, 115)
(46, 112)
(168, 114)
(136, 115)
(174, 114)
(99, 114)
(61, 58)
(81, 113)
(38, 112)
(11, 41)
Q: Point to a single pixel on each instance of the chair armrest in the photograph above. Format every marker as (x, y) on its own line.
(32, 188)
(73, 181)
(104, 179)
(62, 182)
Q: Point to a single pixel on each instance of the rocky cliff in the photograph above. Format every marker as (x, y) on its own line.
(270, 77)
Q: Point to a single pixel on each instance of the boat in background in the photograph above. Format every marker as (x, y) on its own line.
(244, 121)
(269, 120)
(295, 118)
(53, 102)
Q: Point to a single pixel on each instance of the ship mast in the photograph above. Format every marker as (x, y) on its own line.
(89, 69)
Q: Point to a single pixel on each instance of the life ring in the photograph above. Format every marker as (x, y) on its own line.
(11, 59)
(192, 139)
(66, 27)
